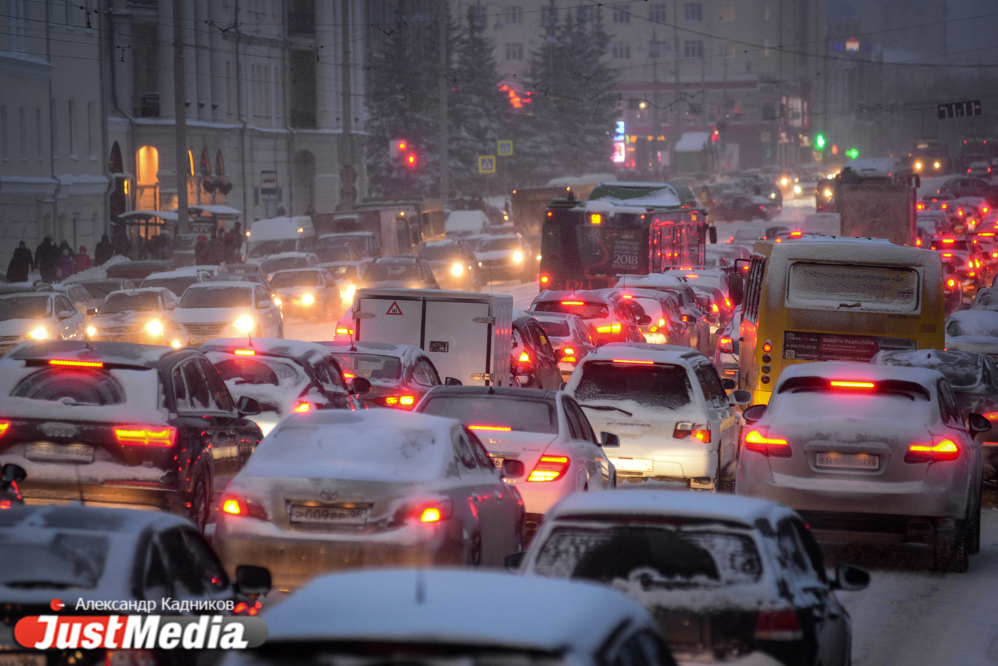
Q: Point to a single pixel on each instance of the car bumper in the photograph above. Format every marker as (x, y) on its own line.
(668, 460)
(116, 495)
(539, 496)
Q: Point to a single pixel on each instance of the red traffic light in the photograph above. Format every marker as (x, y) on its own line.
(402, 146)
(410, 160)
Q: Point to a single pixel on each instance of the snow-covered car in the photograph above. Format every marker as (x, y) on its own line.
(986, 299)
(137, 425)
(79, 295)
(665, 324)
(336, 489)
(722, 576)
(667, 405)
(399, 374)
(47, 549)
(606, 313)
(287, 261)
(38, 316)
(176, 281)
(453, 263)
(283, 376)
(540, 439)
(421, 617)
(504, 258)
(569, 337)
(138, 315)
(226, 309)
(973, 331)
(101, 288)
(697, 324)
(877, 449)
(532, 358)
(398, 271)
(307, 293)
(980, 168)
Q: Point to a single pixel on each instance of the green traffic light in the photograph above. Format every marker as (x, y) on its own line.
(819, 141)
(852, 153)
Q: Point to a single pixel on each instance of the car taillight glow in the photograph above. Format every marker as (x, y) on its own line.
(726, 345)
(549, 468)
(778, 625)
(952, 283)
(632, 361)
(544, 279)
(75, 364)
(686, 429)
(302, 407)
(762, 443)
(4, 426)
(236, 506)
(572, 303)
(490, 427)
(524, 357)
(568, 350)
(245, 352)
(432, 512)
(714, 308)
(4, 504)
(158, 436)
(610, 328)
(407, 400)
(852, 385)
(945, 449)
(344, 331)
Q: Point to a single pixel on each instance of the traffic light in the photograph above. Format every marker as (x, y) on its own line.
(403, 153)
(411, 161)
(819, 142)
(852, 153)
(397, 148)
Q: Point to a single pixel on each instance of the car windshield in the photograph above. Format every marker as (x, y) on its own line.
(496, 244)
(217, 297)
(65, 561)
(283, 263)
(178, 285)
(650, 557)
(24, 307)
(358, 241)
(659, 385)
(71, 387)
(984, 326)
(580, 308)
(103, 288)
(146, 301)
(496, 412)
(385, 272)
(447, 252)
(256, 369)
(268, 247)
(370, 366)
(295, 279)
(343, 271)
(556, 329)
(335, 253)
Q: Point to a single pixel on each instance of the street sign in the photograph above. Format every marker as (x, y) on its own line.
(268, 183)
(486, 164)
(960, 109)
(505, 148)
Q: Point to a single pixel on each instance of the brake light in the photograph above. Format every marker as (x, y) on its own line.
(991, 416)
(433, 512)
(714, 308)
(950, 240)
(568, 359)
(852, 385)
(778, 625)
(158, 436)
(686, 429)
(942, 450)
(756, 441)
(627, 296)
(952, 283)
(347, 375)
(407, 400)
(490, 427)
(76, 364)
(4, 504)
(572, 303)
(430, 515)
(633, 361)
(549, 468)
(344, 331)
(726, 346)
(567, 350)
(524, 357)
(611, 328)
(544, 279)
(237, 506)
(302, 407)
(4, 426)
(245, 352)
(727, 302)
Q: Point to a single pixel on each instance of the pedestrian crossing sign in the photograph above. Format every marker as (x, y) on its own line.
(505, 148)
(486, 164)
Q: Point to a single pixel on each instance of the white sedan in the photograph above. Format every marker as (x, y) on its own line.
(973, 331)
(228, 309)
(38, 316)
(541, 439)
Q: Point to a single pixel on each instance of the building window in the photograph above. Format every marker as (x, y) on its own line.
(230, 97)
(693, 12)
(621, 14)
(621, 51)
(476, 17)
(70, 10)
(726, 11)
(39, 141)
(145, 70)
(513, 15)
(4, 138)
(514, 52)
(72, 138)
(301, 17)
(549, 16)
(17, 25)
(658, 13)
(693, 48)
(303, 94)
(23, 132)
(730, 50)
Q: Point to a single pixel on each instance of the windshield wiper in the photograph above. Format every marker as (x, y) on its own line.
(607, 408)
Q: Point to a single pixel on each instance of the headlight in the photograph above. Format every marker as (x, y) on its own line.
(828, 194)
(154, 327)
(39, 333)
(518, 257)
(91, 331)
(348, 292)
(307, 299)
(457, 270)
(772, 195)
(175, 344)
(783, 182)
(278, 302)
(244, 324)
(797, 189)
(936, 165)
(918, 166)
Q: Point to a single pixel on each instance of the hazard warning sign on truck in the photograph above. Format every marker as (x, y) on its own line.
(394, 309)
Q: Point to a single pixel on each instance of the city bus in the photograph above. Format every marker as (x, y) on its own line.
(621, 229)
(835, 299)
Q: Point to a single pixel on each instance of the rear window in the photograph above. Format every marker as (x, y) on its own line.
(369, 366)
(65, 561)
(295, 279)
(283, 264)
(985, 326)
(71, 387)
(517, 414)
(177, 285)
(556, 329)
(577, 307)
(659, 385)
(336, 253)
(142, 302)
(852, 288)
(217, 297)
(256, 370)
(102, 289)
(24, 307)
(652, 557)
(392, 272)
(900, 407)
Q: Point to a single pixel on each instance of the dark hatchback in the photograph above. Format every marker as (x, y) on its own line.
(122, 424)
(532, 358)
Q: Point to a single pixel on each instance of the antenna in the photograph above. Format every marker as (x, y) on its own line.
(420, 587)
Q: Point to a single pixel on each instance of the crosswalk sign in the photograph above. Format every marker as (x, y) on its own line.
(394, 309)
(486, 164)
(505, 148)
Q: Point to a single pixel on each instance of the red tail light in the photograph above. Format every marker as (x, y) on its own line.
(545, 279)
(344, 331)
(490, 427)
(524, 357)
(158, 436)
(952, 283)
(433, 511)
(944, 449)
(778, 625)
(550, 468)
(609, 328)
(760, 442)
(633, 361)
(714, 308)
(726, 345)
(243, 608)
(686, 429)
(245, 352)
(76, 364)
(302, 407)
(4, 426)
(4, 504)
(864, 386)
(402, 401)
(237, 506)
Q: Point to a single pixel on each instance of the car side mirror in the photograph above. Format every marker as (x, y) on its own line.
(740, 397)
(66, 314)
(563, 386)
(359, 386)
(515, 561)
(248, 406)
(729, 384)
(253, 580)
(978, 424)
(609, 440)
(513, 469)
(452, 381)
(850, 579)
(91, 312)
(644, 320)
(736, 288)
(754, 413)
(11, 473)
(263, 305)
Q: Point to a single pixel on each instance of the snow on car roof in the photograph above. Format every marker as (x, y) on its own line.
(656, 279)
(170, 274)
(853, 371)
(962, 369)
(123, 353)
(644, 351)
(139, 290)
(276, 346)
(406, 352)
(744, 510)
(222, 284)
(453, 607)
(288, 255)
(590, 295)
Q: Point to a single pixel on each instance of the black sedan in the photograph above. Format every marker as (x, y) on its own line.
(399, 374)
(122, 424)
(533, 359)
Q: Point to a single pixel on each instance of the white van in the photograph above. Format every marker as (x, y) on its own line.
(467, 335)
(280, 234)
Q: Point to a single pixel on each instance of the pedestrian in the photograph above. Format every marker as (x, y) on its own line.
(64, 247)
(122, 245)
(83, 261)
(201, 251)
(64, 265)
(215, 250)
(20, 264)
(103, 251)
(45, 258)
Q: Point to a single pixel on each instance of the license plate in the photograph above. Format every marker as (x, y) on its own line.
(67, 453)
(22, 659)
(194, 342)
(5, 348)
(848, 460)
(329, 515)
(497, 461)
(633, 465)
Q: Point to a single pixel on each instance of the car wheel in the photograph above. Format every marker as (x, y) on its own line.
(475, 551)
(950, 548)
(200, 505)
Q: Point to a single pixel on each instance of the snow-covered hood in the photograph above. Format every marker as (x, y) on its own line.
(126, 319)
(495, 255)
(23, 326)
(210, 315)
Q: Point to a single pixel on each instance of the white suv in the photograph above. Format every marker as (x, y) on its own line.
(667, 404)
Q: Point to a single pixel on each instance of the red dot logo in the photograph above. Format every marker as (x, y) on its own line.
(57, 605)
